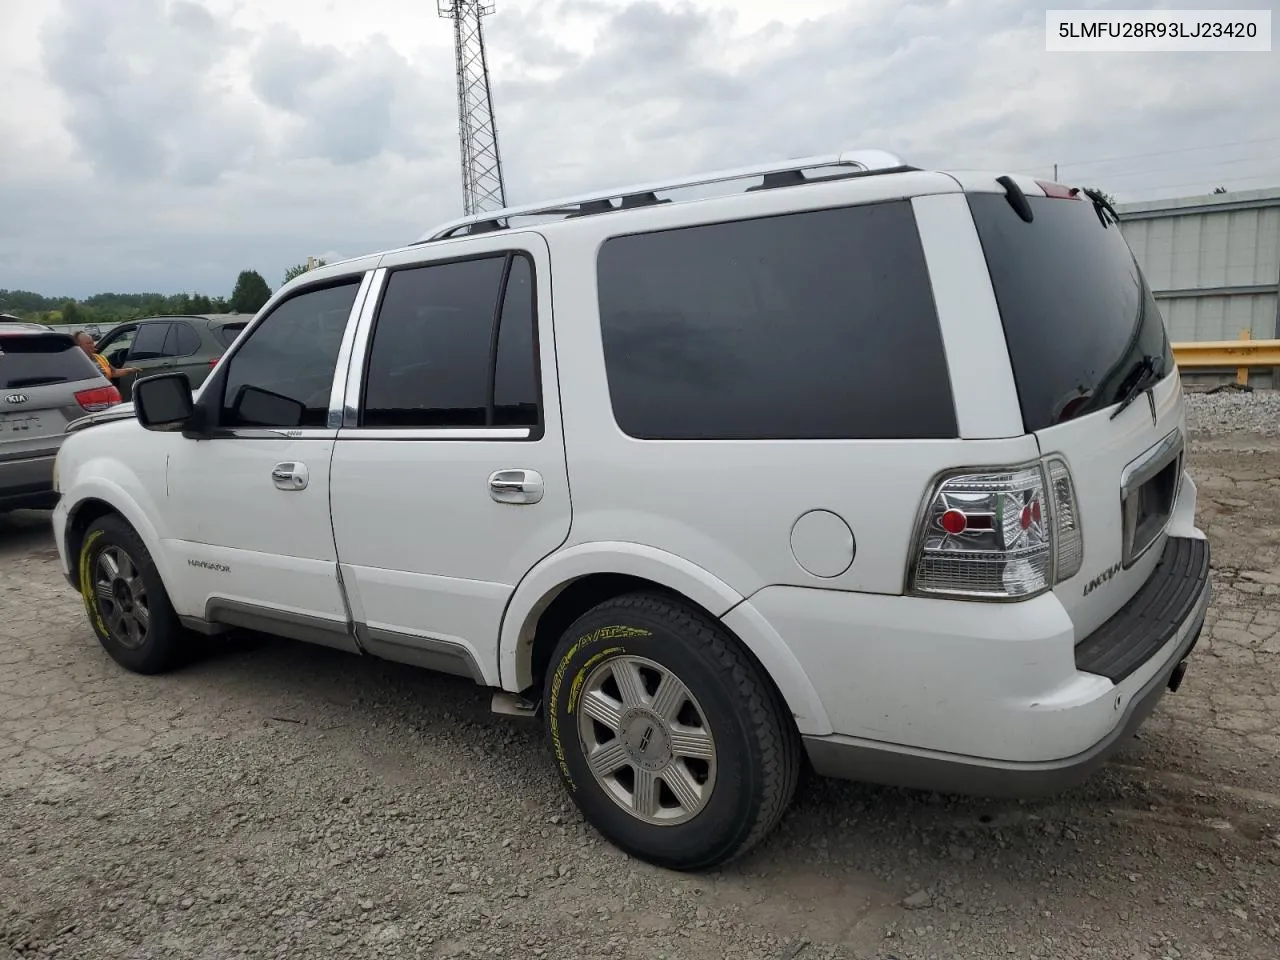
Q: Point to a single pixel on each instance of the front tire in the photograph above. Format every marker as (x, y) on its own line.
(671, 740)
(125, 599)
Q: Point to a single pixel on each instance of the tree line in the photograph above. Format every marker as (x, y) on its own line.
(248, 295)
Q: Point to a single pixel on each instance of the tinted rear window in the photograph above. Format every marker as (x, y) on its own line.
(33, 360)
(1077, 312)
(810, 325)
(228, 332)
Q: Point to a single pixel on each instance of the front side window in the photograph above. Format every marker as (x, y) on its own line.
(454, 345)
(814, 325)
(116, 348)
(282, 375)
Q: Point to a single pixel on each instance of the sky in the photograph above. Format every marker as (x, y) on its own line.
(165, 145)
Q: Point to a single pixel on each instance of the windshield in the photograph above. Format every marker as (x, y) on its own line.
(1079, 319)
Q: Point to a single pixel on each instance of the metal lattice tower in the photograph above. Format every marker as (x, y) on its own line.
(482, 184)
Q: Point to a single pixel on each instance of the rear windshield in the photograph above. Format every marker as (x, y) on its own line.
(1078, 315)
(228, 332)
(33, 360)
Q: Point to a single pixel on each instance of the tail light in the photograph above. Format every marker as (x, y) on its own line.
(1057, 190)
(999, 534)
(1068, 541)
(99, 398)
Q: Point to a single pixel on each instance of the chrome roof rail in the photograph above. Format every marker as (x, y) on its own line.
(777, 174)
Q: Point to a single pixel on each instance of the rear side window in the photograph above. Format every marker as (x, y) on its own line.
(816, 325)
(1078, 315)
(182, 341)
(454, 345)
(148, 342)
(227, 333)
(34, 360)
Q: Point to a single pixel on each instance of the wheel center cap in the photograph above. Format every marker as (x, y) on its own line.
(645, 738)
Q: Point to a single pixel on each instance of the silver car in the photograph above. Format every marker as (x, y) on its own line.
(45, 382)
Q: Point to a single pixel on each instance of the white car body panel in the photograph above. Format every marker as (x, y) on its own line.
(427, 554)
(401, 549)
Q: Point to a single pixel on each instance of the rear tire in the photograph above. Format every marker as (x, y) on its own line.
(671, 740)
(125, 599)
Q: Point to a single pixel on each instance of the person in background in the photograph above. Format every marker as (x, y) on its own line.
(86, 343)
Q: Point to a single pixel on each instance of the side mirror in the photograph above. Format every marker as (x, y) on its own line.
(163, 402)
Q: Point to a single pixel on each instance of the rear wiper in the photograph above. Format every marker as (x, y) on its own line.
(1101, 204)
(1145, 375)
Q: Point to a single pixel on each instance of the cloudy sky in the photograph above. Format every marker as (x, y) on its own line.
(167, 144)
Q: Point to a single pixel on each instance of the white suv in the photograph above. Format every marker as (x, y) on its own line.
(839, 462)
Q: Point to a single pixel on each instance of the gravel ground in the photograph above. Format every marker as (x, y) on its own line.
(1231, 412)
(278, 800)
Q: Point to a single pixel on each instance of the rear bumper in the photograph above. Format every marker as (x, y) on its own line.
(1012, 716)
(848, 758)
(27, 482)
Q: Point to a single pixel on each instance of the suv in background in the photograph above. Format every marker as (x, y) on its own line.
(863, 465)
(46, 381)
(189, 345)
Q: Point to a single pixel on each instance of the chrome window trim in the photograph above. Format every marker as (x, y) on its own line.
(280, 433)
(1145, 466)
(1168, 450)
(350, 410)
(338, 389)
(437, 433)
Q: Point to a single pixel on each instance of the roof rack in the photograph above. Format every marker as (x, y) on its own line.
(781, 173)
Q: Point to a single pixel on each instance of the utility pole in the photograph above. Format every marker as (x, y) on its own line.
(1055, 173)
(482, 184)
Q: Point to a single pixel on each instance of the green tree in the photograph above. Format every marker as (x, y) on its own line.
(71, 313)
(201, 303)
(250, 293)
(298, 269)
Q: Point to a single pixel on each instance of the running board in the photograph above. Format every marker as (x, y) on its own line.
(511, 705)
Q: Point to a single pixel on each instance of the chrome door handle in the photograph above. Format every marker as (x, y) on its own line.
(516, 486)
(290, 476)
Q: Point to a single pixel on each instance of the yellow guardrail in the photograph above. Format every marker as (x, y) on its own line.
(1241, 354)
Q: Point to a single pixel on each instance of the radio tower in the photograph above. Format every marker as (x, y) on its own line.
(482, 186)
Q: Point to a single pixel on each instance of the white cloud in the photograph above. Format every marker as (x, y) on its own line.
(167, 144)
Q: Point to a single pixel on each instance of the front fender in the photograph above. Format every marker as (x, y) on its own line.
(108, 480)
(545, 581)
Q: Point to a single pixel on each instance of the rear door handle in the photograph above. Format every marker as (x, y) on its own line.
(290, 476)
(516, 486)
